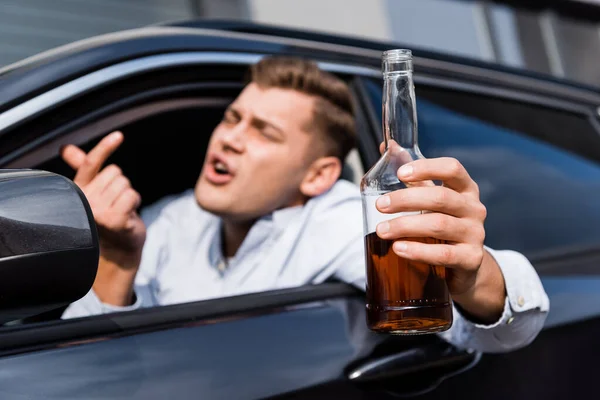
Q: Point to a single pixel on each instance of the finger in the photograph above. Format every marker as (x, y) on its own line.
(403, 157)
(73, 156)
(128, 201)
(433, 225)
(458, 256)
(97, 156)
(448, 170)
(435, 198)
(99, 184)
(110, 194)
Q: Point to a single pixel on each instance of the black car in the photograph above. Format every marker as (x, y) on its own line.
(530, 141)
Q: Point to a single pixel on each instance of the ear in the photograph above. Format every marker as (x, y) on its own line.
(321, 176)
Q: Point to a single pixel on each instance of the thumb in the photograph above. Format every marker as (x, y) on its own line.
(73, 156)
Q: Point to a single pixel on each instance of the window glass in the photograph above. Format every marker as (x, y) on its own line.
(534, 165)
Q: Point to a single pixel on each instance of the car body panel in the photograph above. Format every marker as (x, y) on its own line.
(205, 359)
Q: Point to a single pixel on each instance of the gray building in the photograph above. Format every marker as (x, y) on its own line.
(538, 40)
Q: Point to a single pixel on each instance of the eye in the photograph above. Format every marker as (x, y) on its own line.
(269, 135)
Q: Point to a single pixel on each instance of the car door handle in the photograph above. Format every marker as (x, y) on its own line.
(413, 371)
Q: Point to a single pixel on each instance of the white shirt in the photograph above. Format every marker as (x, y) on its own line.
(182, 262)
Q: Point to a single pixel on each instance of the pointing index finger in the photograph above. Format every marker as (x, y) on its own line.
(73, 156)
(97, 156)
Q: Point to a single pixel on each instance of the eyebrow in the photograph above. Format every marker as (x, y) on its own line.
(259, 122)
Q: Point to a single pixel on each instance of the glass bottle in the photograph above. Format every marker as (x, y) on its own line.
(402, 296)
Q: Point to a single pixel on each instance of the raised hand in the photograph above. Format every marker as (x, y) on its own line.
(114, 202)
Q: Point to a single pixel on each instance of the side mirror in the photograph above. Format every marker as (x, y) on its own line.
(48, 243)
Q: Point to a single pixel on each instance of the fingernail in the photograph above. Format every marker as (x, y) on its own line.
(400, 247)
(384, 202)
(405, 171)
(115, 136)
(383, 227)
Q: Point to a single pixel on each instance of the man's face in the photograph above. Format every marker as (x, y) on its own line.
(258, 155)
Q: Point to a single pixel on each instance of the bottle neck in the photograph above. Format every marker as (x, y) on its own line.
(399, 107)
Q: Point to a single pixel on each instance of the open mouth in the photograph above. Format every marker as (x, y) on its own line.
(218, 171)
(221, 168)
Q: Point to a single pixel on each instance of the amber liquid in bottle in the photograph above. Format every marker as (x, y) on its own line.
(403, 297)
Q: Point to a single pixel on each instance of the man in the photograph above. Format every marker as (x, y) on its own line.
(269, 212)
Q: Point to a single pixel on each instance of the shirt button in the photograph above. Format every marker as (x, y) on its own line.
(510, 320)
(521, 301)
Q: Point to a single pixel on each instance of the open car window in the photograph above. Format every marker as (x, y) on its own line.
(167, 126)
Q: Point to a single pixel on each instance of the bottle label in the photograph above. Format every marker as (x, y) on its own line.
(372, 217)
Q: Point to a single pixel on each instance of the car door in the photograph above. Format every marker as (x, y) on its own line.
(253, 346)
(537, 161)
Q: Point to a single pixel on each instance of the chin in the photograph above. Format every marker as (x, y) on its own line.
(221, 207)
(215, 201)
(208, 200)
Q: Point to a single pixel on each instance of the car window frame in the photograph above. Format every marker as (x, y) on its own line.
(582, 107)
(17, 339)
(48, 101)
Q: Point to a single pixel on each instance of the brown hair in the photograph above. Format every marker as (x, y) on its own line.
(333, 110)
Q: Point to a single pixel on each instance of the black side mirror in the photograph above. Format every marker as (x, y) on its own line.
(48, 243)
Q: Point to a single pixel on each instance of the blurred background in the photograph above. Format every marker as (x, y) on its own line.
(557, 37)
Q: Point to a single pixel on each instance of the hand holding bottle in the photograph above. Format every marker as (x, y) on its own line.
(456, 216)
(423, 242)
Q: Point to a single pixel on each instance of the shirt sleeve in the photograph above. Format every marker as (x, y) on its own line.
(154, 254)
(90, 305)
(525, 310)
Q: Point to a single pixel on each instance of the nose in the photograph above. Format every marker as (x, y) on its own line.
(234, 138)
